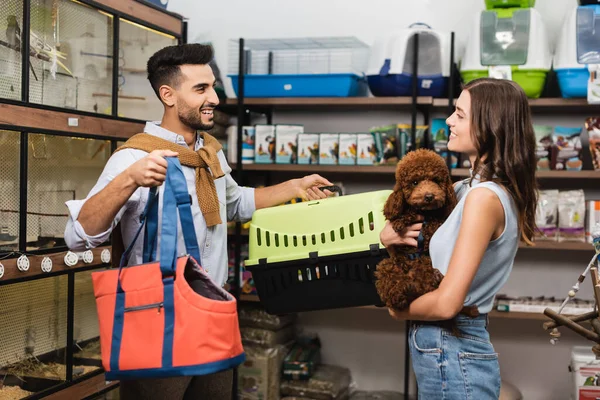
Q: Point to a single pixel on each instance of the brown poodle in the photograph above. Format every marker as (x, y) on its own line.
(423, 187)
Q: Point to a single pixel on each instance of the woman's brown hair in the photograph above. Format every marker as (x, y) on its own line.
(503, 135)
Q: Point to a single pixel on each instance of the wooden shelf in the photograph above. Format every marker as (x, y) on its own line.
(343, 102)
(549, 104)
(493, 314)
(85, 388)
(553, 245)
(11, 272)
(390, 169)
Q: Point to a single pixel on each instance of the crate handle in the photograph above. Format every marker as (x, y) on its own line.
(332, 188)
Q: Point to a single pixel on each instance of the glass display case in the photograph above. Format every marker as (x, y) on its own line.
(137, 44)
(60, 168)
(9, 187)
(11, 21)
(72, 56)
(34, 336)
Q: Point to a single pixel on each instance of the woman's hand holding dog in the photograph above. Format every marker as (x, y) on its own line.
(408, 236)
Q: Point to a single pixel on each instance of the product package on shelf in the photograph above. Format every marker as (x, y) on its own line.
(254, 316)
(376, 395)
(348, 145)
(259, 377)
(593, 218)
(248, 138)
(439, 135)
(567, 149)
(571, 216)
(246, 282)
(264, 150)
(329, 382)
(388, 144)
(302, 360)
(267, 337)
(585, 369)
(543, 146)
(286, 143)
(366, 148)
(329, 146)
(308, 148)
(592, 125)
(546, 215)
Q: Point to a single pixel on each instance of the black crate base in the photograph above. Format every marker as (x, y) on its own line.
(318, 283)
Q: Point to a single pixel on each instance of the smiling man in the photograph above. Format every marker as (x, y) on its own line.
(185, 84)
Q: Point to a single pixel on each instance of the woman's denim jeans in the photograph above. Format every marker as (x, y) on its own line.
(452, 368)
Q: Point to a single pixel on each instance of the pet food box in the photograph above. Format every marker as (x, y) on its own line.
(439, 135)
(571, 216)
(567, 149)
(386, 141)
(546, 215)
(308, 148)
(584, 368)
(366, 149)
(592, 125)
(329, 144)
(543, 146)
(286, 143)
(593, 218)
(264, 150)
(348, 146)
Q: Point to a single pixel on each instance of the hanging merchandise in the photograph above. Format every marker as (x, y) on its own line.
(390, 68)
(577, 57)
(508, 43)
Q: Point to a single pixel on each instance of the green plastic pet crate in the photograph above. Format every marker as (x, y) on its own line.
(319, 254)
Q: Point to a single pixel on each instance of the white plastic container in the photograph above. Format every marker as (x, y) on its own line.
(578, 45)
(390, 67)
(513, 38)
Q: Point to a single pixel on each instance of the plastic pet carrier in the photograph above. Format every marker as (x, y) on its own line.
(390, 69)
(319, 254)
(301, 67)
(578, 46)
(510, 43)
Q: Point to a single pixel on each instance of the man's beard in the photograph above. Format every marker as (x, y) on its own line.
(193, 118)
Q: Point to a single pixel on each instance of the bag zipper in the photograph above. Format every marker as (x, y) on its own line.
(159, 306)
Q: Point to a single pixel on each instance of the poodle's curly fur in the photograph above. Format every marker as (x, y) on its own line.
(423, 187)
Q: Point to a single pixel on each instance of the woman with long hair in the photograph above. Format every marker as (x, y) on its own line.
(475, 247)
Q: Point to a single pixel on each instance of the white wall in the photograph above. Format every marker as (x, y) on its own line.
(368, 341)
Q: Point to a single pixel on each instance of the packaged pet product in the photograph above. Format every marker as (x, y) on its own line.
(543, 146)
(308, 148)
(366, 149)
(259, 377)
(546, 215)
(388, 147)
(329, 382)
(404, 132)
(265, 337)
(439, 136)
(593, 218)
(592, 125)
(254, 316)
(286, 139)
(329, 145)
(348, 144)
(376, 395)
(405, 138)
(302, 360)
(571, 216)
(264, 150)
(567, 149)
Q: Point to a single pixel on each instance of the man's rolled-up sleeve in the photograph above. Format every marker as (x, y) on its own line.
(75, 236)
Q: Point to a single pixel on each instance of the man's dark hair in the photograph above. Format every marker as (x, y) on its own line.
(163, 66)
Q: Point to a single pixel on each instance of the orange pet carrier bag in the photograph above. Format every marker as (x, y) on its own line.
(166, 318)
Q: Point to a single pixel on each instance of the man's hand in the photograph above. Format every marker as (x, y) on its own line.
(408, 237)
(151, 170)
(307, 188)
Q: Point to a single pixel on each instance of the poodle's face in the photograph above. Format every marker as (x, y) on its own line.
(422, 183)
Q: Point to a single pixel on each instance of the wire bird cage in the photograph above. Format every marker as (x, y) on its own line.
(300, 67)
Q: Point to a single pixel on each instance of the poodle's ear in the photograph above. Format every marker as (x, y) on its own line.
(451, 200)
(394, 206)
